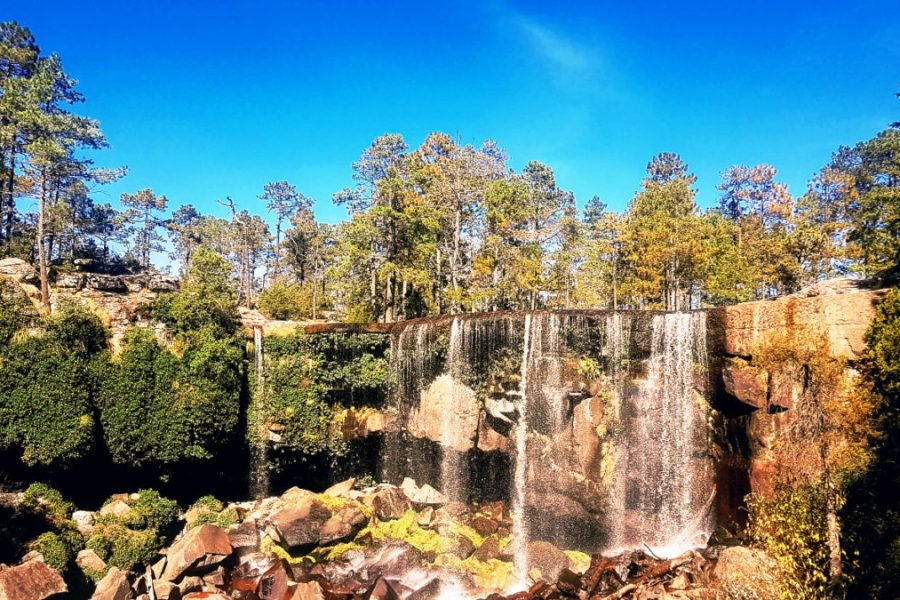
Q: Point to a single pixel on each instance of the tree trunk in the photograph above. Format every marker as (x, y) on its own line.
(42, 252)
(278, 251)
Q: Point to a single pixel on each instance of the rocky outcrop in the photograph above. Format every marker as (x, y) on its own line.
(18, 270)
(446, 400)
(759, 395)
(840, 310)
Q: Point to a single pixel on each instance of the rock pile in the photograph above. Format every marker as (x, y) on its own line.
(383, 543)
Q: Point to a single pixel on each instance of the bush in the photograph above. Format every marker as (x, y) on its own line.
(122, 547)
(284, 300)
(152, 511)
(16, 311)
(56, 552)
(43, 499)
(206, 300)
(47, 388)
(157, 407)
(792, 528)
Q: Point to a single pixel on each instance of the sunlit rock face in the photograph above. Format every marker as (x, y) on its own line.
(598, 423)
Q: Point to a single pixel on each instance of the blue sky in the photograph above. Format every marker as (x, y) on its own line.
(206, 99)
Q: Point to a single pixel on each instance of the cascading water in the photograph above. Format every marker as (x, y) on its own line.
(519, 521)
(256, 434)
(664, 464)
(609, 402)
(452, 472)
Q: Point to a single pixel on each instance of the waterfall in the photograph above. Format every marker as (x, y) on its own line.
(257, 434)
(452, 472)
(663, 466)
(519, 522)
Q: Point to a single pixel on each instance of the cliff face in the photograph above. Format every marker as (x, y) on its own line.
(758, 390)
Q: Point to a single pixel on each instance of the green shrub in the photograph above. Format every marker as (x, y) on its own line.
(123, 547)
(152, 511)
(157, 407)
(56, 552)
(47, 387)
(206, 300)
(16, 311)
(43, 499)
(284, 300)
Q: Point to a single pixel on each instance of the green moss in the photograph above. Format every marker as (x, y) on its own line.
(492, 574)
(406, 529)
(339, 550)
(578, 561)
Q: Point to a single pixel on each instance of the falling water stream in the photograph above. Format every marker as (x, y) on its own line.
(519, 522)
(256, 434)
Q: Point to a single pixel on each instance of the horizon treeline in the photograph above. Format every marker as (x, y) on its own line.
(445, 227)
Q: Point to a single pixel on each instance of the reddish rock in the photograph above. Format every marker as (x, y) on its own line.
(546, 558)
(310, 590)
(340, 489)
(88, 559)
(382, 590)
(342, 526)
(300, 525)
(32, 580)
(840, 311)
(114, 586)
(200, 548)
(484, 525)
(488, 550)
(745, 383)
(390, 503)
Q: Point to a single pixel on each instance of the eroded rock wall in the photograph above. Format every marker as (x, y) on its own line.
(758, 390)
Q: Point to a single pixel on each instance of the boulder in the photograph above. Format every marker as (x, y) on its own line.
(32, 580)
(244, 538)
(748, 573)
(166, 590)
(546, 558)
(310, 590)
(162, 283)
(106, 283)
(424, 495)
(84, 521)
(200, 548)
(342, 525)
(18, 270)
(88, 559)
(114, 586)
(340, 489)
(300, 525)
(484, 525)
(390, 503)
(489, 549)
(446, 401)
(116, 508)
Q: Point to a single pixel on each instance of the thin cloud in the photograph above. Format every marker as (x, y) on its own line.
(557, 49)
